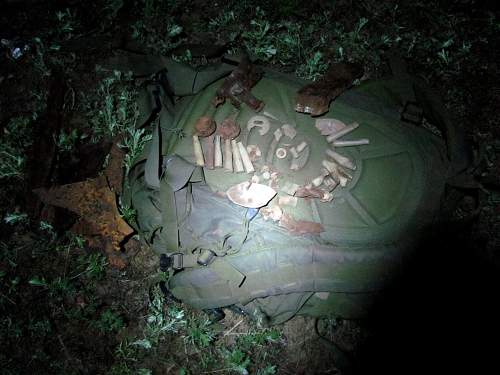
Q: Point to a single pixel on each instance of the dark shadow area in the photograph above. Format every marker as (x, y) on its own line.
(441, 315)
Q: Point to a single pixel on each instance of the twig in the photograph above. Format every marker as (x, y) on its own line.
(236, 325)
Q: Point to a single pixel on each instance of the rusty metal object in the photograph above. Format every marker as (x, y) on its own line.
(205, 126)
(95, 204)
(237, 87)
(315, 97)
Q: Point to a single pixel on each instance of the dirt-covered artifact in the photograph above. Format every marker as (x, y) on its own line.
(354, 188)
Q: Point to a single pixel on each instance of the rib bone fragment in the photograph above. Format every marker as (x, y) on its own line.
(341, 133)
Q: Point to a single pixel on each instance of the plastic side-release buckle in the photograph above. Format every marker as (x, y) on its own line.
(174, 261)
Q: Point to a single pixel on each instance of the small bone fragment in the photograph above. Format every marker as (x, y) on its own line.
(341, 160)
(290, 188)
(330, 183)
(266, 175)
(281, 153)
(301, 146)
(289, 131)
(218, 152)
(300, 162)
(318, 181)
(254, 152)
(259, 121)
(278, 134)
(247, 163)
(327, 197)
(228, 156)
(341, 133)
(357, 142)
(255, 179)
(288, 201)
(238, 164)
(294, 153)
(328, 126)
(198, 153)
(274, 213)
(332, 168)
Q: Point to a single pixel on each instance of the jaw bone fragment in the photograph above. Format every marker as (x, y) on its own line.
(341, 160)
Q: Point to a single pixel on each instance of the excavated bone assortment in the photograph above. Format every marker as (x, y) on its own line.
(250, 195)
(289, 131)
(341, 133)
(281, 153)
(328, 126)
(341, 160)
(357, 142)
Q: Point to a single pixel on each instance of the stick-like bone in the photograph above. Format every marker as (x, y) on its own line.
(228, 156)
(218, 152)
(341, 133)
(247, 163)
(238, 164)
(340, 159)
(357, 142)
(209, 152)
(198, 153)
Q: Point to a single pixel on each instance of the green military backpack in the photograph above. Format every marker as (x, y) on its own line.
(338, 217)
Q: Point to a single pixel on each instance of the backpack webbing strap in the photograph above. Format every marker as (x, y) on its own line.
(152, 167)
(177, 173)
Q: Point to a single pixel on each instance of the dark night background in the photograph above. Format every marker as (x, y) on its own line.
(63, 309)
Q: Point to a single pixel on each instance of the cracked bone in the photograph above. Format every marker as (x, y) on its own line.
(341, 160)
(341, 133)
